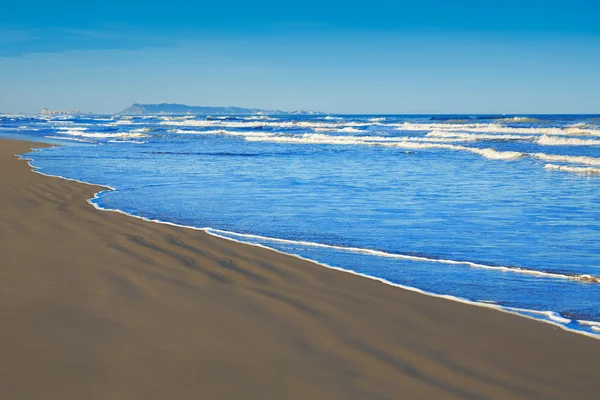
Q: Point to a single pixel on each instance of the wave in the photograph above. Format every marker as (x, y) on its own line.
(75, 139)
(478, 137)
(318, 138)
(124, 121)
(127, 141)
(577, 170)
(266, 124)
(433, 140)
(496, 128)
(259, 117)
(220, 132)
(82, 132)
(349, 129)
(567, 159)
(493, 154)
(99, 135)
(143, 130)
(75, 130)
(559, 141)
(584, 278)
(589, 323)
(520, 119)
(333, 124)
(177, 118)
(405, 143)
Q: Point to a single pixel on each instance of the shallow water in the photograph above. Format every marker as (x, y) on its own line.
(496, 209)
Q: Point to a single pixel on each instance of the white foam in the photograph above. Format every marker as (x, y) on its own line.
(477, 137)
(319, 138)
(576, 277)
(142, 130)
(349, 129)
(546, 140)
(551, 315)
(521, 119)
(99, 135)
(124, 121)
(127, 141)
(177, 118)
(567, 159)
(189, 122)
(496, 128)
(259, 118)
(334, 124)
(208, 132)
(405, 143)
(257, 134)
(497, 155)
(268, 124)
(75, 139)
(589, 323)
(75, 130)
(577, 170)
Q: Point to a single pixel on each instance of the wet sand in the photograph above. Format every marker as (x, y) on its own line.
(99, 305)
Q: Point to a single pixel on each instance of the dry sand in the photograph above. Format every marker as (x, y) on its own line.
(99, 305)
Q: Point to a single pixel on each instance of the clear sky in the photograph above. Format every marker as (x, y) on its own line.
(527, 56)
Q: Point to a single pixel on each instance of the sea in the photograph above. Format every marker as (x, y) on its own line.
(501, 211)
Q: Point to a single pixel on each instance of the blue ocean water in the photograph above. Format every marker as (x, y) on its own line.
(501, 210)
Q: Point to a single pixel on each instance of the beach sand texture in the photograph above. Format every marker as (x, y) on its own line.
(99, 305)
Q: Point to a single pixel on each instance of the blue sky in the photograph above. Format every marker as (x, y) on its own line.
(429, 56)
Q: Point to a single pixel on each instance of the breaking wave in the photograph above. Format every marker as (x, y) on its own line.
(496, 128)
(559, 141)
(567, 159)
(520, 119)
(577, 170)
(75, 139)
(127, 141)
(478, 137)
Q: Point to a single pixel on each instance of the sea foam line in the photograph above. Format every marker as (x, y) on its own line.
(546, 140)
(567, 159)
(577, 170)
(495, 128)
(69, 138)
(404, 143)
(379, 253)
(524, 313)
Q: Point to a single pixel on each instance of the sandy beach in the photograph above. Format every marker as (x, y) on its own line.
(99, 305)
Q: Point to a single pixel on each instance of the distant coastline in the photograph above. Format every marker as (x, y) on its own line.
(183, 109)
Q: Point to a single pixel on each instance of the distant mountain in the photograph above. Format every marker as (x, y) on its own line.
(164, 108)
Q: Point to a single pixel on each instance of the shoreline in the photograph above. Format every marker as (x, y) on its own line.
(553, 318)
(277, 326)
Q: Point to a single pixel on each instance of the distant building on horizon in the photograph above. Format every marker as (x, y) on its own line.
(45, 111)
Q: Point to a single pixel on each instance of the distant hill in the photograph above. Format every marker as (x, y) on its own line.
(164, 108)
